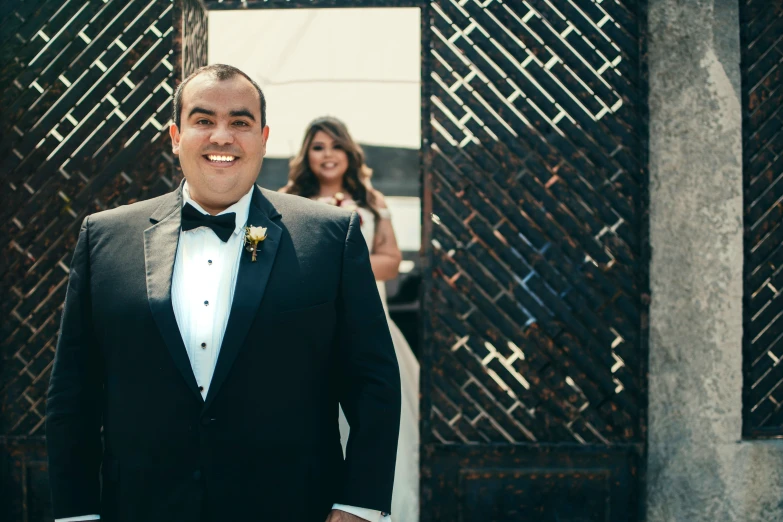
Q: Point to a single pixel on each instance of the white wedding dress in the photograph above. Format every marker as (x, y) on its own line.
(405, 497)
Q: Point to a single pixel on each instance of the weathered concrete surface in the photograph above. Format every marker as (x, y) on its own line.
(698, 469)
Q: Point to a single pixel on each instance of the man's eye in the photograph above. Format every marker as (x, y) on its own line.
(203, 122)
(241, 123)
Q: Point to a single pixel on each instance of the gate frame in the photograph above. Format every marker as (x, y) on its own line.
(560, 456)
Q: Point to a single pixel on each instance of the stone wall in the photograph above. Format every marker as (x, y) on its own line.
(699, 469)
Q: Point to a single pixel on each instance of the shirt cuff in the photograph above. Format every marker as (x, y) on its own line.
(367, 514)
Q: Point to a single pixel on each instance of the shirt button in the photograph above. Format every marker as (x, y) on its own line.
(209, 261)
(206, 303)
(201, 388)
(203, 345)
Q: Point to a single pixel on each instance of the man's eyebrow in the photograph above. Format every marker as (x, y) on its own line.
(243, 112)
(201, 110)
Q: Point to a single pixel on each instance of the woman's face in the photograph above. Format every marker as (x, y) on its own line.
(327, 159)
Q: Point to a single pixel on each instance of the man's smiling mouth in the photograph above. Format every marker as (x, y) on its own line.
(221, 158)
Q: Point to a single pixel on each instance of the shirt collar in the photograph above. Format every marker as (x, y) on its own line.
(241, 207)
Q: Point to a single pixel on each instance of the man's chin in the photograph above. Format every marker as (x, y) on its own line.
(217, 193)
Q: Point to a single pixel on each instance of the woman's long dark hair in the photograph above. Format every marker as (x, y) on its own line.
(356, 181)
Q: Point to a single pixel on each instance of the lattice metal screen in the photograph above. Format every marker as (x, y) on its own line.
(762, 86)
(86, 90)
(539, 185)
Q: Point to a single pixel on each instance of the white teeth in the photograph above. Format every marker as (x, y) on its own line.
(215, 157)
(330, 165)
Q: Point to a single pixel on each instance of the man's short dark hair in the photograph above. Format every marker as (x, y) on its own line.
(221, 72)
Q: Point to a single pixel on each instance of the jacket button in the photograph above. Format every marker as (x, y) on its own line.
(197, 475)
(205, 421)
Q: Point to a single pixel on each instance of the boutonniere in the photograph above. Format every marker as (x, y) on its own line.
(254, 236)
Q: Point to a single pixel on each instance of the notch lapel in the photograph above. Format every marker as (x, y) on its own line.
(160, 251)
(252, 280)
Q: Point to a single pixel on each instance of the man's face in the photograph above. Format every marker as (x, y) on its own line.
(221, 143)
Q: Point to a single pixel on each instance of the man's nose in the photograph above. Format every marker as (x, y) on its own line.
(222, 135)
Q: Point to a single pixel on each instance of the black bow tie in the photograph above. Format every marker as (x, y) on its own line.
(223, 225)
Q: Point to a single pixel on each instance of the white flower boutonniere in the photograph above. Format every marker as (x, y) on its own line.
(254, 236)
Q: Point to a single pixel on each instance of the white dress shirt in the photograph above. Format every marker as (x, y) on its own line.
(202, 290)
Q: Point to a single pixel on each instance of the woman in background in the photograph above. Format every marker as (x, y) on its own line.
(330, 168)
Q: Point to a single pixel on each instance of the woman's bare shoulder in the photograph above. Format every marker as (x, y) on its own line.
(380, 201)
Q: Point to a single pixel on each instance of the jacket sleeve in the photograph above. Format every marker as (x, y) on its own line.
(73, 408)
(370, 390)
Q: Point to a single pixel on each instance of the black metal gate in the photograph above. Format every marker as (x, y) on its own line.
(534, 376)
(534, 120)
(762, 148)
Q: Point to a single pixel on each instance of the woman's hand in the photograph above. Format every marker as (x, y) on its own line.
(341, 516)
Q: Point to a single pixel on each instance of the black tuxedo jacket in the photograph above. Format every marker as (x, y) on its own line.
(129, 435)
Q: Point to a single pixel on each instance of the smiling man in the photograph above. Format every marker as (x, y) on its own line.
(197, 381)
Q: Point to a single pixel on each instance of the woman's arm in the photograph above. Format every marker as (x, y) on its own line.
(385, 256)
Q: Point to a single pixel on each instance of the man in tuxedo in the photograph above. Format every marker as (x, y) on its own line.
(199, 367)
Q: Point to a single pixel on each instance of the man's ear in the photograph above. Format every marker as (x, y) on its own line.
(174, 133)
(265, 135)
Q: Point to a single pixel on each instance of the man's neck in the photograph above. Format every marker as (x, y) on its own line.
(212, 210)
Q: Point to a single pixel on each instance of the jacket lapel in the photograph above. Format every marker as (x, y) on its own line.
(160, 250)
(251, 283)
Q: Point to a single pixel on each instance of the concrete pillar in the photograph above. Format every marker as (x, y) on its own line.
(699, 469)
